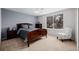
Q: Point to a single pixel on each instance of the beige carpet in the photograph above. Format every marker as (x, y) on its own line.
(45, 44)
(12, 44)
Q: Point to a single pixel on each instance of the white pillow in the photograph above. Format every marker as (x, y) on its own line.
(25, 26)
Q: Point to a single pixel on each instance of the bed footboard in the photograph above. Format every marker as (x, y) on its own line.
(34, 35)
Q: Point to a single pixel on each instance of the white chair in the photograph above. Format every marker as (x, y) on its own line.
(65, 33)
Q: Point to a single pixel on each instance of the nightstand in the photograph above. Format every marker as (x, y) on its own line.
(11, 34)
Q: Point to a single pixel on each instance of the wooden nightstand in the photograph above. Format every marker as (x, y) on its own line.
(11, 34)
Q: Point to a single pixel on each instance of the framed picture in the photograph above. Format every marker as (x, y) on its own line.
(50, 21)
(58, 21)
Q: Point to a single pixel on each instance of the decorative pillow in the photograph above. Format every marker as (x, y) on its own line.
(25, 26)
(31, 27)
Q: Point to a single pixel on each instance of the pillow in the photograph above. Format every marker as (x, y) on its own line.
(25, 26)
(31, 27)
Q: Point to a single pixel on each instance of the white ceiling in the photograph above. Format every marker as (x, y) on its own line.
(35, 11)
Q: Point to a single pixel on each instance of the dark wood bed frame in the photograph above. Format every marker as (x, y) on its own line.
(33, 35)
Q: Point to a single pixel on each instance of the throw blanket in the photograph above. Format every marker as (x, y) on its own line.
(23, 34)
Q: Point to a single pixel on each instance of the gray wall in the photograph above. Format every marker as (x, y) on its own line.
(69, 16)
(78, 28)
(0, 24)
(11, 18)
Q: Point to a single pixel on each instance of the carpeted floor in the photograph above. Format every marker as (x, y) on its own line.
(44, 44)
(12, 44)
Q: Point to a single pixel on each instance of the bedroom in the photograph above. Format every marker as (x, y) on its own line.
(40, 18)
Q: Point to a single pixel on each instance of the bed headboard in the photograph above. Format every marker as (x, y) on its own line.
(20, 25)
